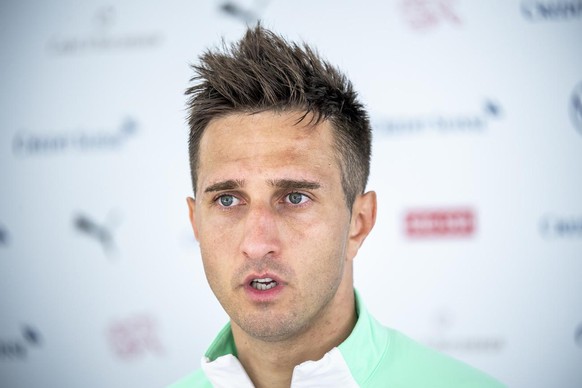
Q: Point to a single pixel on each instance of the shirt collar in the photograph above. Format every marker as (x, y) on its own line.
(364, 348)
(222, 345)
(367, 334)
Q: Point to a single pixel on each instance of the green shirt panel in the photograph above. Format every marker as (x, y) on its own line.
(377, 356)
(381, 357)
(195, 380)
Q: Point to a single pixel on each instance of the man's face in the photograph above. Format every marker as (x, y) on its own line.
(271, 220)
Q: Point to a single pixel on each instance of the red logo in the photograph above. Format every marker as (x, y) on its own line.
(134, 336)
(440, 223)
(425, 14)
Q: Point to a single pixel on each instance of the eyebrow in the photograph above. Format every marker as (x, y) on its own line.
(230, 184)
(284, 184)
(287, 184)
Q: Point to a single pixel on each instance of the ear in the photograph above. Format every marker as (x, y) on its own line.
(362, 222)
(192, 213)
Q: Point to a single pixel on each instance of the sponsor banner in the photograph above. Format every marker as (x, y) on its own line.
(105, 37)
(28, 144)
(444, 339)
(248, 14)
(470, 122)
(561, 227)
(578, 335)
(423, 15)
(4, 236)
(575, 107)
(18, 348)
(134, 337)
(436, 223)
(101, 232)
(551, 10)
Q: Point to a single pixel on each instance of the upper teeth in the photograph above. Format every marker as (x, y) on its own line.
(265, 280)
(263, 284)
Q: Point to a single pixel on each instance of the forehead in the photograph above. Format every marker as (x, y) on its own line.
(266, 143)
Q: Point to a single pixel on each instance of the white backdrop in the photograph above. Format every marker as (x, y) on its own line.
(477, 112)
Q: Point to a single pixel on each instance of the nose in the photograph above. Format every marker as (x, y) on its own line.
(260, 233)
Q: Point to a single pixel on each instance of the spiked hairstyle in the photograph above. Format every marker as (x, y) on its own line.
(263, 71)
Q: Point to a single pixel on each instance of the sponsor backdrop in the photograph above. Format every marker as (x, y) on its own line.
(477, 112)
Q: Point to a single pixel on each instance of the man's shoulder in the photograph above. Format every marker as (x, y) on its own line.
(379, 356)
(195, 380)
(407, 362)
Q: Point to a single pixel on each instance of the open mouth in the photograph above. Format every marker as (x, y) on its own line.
(263, 284)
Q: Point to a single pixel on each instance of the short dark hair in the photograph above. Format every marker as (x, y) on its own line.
(262, 72)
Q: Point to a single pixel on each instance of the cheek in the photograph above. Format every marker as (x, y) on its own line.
(216, 233)
(210, 263)
(321, 248)
(216, 249)
(218, 272)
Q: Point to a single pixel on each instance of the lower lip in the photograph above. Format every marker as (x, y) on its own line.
(263, 296)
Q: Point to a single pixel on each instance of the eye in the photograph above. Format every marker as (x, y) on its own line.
(227, 200)
(296, 198)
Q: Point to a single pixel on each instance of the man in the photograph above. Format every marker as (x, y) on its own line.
(280, 154)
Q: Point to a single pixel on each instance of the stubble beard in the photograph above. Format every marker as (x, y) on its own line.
(272, 323)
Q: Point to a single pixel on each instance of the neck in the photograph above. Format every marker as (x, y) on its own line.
(271, 364)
